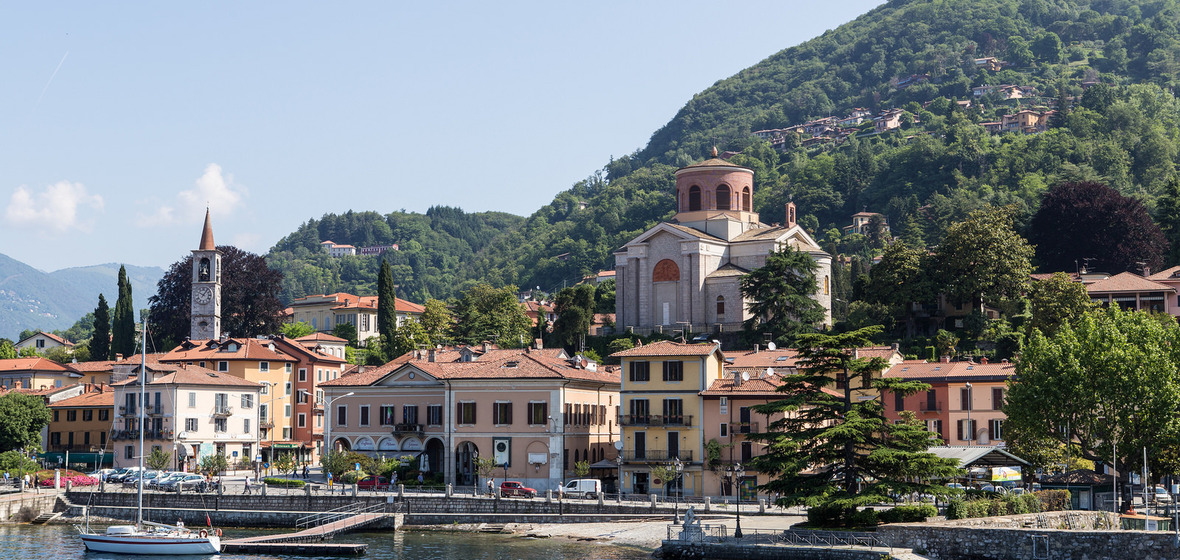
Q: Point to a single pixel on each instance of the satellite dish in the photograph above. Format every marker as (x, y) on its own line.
(745, 376)
(769, 372)
(619, 445)
(771, 346)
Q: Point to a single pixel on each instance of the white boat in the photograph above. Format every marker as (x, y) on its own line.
(146, 537)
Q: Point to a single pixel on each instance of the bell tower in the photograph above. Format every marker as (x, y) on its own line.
(206, 303)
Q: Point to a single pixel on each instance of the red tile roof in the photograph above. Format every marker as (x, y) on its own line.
(942, 370)
(1127, 282)
(32, 364)
(50, 336)
(494, 364)
(92, 367)
(668, 348)
(212, 350)
(759, 385)
(1166, 274)
(181, 374)
(319, 336)
(779, 357)
(91, 399)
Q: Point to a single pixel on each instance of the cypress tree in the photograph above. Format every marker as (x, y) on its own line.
(123, 322)
(386, 302)
(100, 342)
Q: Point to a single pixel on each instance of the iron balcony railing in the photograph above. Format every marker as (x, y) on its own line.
(222, 410)
(128, 411)
(930, 406)
(656, 420)
(405, 428)
(743, 427)
(655, 455)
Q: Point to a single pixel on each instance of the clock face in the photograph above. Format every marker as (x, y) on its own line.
(203, 296)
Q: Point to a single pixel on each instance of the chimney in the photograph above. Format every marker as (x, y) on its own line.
(737, 379)
(486, 347)
(430, 355)
(945, 359)
(538, 343)
(755, 348)
(896, 347)
(18, 384)
(790, 219)
(118, 357)
(983, 360)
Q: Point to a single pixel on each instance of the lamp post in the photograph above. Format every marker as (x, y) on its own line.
(736, 473)
(328, 421)
(679, 466)
(270, 412)
(967, 405)
(619, 490)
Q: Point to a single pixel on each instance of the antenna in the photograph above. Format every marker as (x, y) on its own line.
(745, 376)
(771, 346)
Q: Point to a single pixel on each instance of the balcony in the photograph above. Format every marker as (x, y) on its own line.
(154, 410)
(930, 406)
(678, 420)
(266, 424)
(124, 435)
(128, 411)
(157, 434)
(222, 410)
(654, 456)
(407, 429)
(743, 427)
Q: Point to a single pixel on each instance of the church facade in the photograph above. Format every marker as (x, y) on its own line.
(687, 273)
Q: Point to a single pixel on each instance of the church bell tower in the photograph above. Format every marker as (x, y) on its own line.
(206, 304)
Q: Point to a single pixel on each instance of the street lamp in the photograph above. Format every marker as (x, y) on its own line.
(735, 474)
(679, 466)
(967, 405)
(258, 464)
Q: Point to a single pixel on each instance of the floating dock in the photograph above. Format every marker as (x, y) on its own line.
(309, 542)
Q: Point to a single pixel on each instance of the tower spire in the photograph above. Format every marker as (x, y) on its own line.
(207, 234)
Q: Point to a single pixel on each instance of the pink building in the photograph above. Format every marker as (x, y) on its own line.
(964, 403)
(536, 412)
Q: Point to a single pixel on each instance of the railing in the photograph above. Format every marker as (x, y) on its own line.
(222, 411)
(158, 434)
(655, 455)
(707, 533)
(829, 539)
(128, 411)
(407, 429)
(743, 427)
(656, 420)
(266, 425)
(154, 410)
(929, 406)
(333, 515)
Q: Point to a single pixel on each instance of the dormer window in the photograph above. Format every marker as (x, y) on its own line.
(511, 364)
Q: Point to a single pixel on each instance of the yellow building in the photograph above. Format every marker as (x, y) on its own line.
(661, 415)
(80, 427)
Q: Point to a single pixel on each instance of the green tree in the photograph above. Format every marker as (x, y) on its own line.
(7, 350)
(285, 463)
(347, 331)
(406, 338)
(297, 329)
(100, 341)
(574, 307)
(437, 320)
(781, 295)
(123, 321)
(899, 280)
(22, 417)
(386, 301)
(1168, 218)
(485, 466)
(158, 459)
(1113, 378)
(604, 297)
(492, 314)
(213, 465)
(1056, 301)
(983, 260)
(840, 452)
(582, 469)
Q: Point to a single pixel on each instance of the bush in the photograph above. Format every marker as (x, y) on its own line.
(864, 518)
(978, 508)
(283, 482)
(349, 477)
(1053, 500)
(1014, 504)
(956, 509)
(1032, 504)
(823, 516)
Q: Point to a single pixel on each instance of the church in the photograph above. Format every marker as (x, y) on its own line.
(687, 272)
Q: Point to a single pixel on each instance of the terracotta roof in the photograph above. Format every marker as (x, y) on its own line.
(875, 352)
(190, 375)
(714, 162)
(668, 348)
(779, 357)
(50, 336)
(914, 369)
(495, 364)
(91, 367)
(1127, 282)
(91, 399)
(350, 301)
(320, 337)
(207, 235)
(1166, 274)
(32, 364)
(212, 350)
(758, 385)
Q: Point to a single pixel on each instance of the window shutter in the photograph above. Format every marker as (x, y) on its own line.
(960, 429)
(459, 413)
(509, 414)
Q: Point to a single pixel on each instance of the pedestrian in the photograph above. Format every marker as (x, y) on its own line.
(247, 489)
(305, 471)
(419, 479)
(490, 487)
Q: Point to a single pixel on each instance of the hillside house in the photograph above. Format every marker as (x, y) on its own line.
(42, 341)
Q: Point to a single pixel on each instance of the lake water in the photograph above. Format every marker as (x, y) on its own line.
(59, 542)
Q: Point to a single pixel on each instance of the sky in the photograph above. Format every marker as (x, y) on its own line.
(120, 123)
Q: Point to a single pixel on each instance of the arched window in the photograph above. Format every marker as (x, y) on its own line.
(746, 199)
(825, 285)
(720, 309)
(723, 197)
(694, 198)
(665, 271)
(203, 270)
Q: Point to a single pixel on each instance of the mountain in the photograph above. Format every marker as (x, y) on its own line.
(32, 299)
(1109, 68)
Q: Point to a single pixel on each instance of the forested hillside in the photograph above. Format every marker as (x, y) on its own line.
(937, 167)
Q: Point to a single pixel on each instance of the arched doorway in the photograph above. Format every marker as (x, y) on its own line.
(434, 454)
(465, 456)
(341, 444)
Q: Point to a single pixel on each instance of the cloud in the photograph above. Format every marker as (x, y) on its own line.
(54, 209)
(214, 189)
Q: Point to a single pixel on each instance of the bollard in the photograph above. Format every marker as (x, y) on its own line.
(450, 489)
(708, 503)
(654, 501)
(761, 505)
(263, 487)
(102, 485)
(220, 489)
(69, 484)
(548, 496)
(401, 491)
(601, 499)
(354, 489)
(307, 489)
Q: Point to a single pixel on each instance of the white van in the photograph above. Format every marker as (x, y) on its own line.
(582, 488)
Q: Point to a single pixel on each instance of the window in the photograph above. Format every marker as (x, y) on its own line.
(410, 414)
(247, 452)
(223, 366)
(724, 429)
(466, 413)
(966, 429)
(190, 424)
(287, 367)
(192, 399)
(898, 401)
(965, 398)
(841, 380)
(245, 425)
(342, 415)
(302, 374)
(640, 411)
(263, 366)
(720, 309)
(502, 413)
(265, 388)
(102, 438)
(40, 343)
(674, 371)
(71, 416)
(744, 418)
(694, 198)
(87, 415)
(129, 452)
(286, 433)
(287, 388)
(301, 397)
(673, 411)
(747, 451)
(434, 415)
(247, 400)
(724, 199)
(746, 199)
(219, 425)
(221, 402)
(287, 413)
(319, 375)
(104, 415)
(85, 438)
(724, 405)
(55, 439)
(995, 429)
(538, 413)
(302, 420)
(364, 415)
(262, 412)
(997, 398)
(935, 426)
(387, 415)
(640, 371)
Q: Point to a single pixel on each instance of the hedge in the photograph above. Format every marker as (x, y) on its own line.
(285, 482)
(908, 514)
(1048, 500)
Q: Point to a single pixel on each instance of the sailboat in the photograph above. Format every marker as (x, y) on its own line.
(146, 537)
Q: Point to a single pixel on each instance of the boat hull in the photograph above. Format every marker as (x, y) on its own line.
(147, 544)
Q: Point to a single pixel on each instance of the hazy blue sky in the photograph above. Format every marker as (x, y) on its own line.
(122, 121)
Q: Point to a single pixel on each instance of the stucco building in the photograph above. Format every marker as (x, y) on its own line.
(687, 273)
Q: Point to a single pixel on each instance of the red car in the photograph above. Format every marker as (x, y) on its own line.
(510, 488)
(373, 482)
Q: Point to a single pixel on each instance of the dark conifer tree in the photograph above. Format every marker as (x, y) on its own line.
(100, 341)
(123, 322)
(386, 302)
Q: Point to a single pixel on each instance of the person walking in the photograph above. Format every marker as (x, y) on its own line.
(305, 471)
(246, 490)
(490, 486)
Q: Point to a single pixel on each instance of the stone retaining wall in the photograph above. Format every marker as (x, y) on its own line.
(25, 506)
(1017, 537)
(729, 551)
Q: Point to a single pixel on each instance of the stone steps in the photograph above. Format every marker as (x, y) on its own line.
(45, 518)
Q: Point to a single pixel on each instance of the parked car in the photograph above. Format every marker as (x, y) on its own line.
(165, 477)
(102, 474)
(122, 474)
(373, 482)
(581, 488)
(133, 479)
(185, 480)
(956, 486)
(512, 488)
(1161, 495)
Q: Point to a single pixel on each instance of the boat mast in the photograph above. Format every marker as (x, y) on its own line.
(142, 394)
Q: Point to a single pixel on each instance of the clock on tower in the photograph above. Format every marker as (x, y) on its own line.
(206, 295)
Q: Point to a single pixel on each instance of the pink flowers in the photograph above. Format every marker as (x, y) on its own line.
(74, 480)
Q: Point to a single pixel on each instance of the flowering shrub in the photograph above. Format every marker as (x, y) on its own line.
(74, 480)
